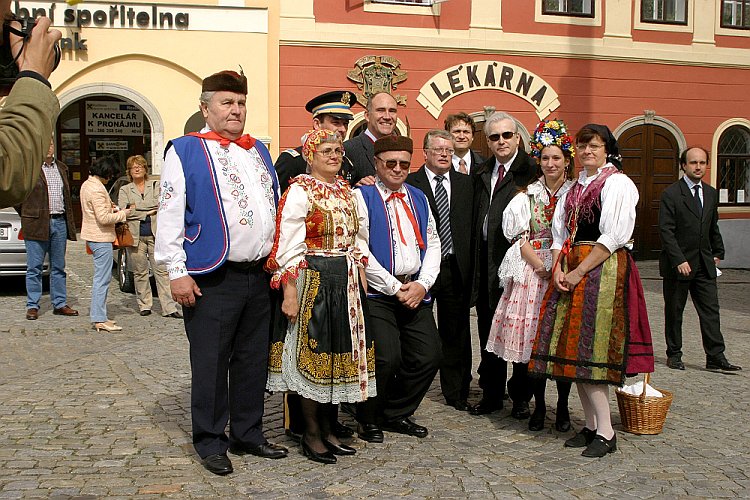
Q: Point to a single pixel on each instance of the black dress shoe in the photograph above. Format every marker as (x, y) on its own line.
(562, 419)
(581, 439)
(520, 410)
(485, 407)
(600, 447)
(675, 364)
(145, 312)
(218, 464)
(265, 450)
(339, 449)
(406, 426)
(370, 433)
(458, 404)
(176, 314)
(324, 458)
(342, 431)
(536, 422)
(722, 365)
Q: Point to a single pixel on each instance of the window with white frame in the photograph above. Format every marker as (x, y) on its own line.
(733, 172)
(735, 14)
(664, 11)
(579, 8)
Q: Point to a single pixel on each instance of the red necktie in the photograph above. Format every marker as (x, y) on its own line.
(500, 175)
(410, 215)
(245, 141)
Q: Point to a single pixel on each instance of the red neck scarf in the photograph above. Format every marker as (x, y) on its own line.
(410, 215)
(245, 141)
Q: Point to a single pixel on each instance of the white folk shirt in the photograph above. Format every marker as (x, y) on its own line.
(619, 199)
(405, 257)
(250, 211)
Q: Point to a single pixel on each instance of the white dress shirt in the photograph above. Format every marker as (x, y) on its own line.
(466, 158)
(691, 185)
(619, 199)
(405, 257)
(248, 202)
(446, 182)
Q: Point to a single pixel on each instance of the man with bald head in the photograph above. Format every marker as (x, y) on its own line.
(381, 115)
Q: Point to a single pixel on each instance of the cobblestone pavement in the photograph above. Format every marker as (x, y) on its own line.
(87, 415)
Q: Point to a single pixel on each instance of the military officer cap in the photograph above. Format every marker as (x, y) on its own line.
(336, 103)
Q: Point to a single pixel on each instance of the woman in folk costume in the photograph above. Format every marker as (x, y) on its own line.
(593, 327)
(319, 349)
(526, 269)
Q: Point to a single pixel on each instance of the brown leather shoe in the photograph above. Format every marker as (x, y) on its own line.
(65, 311)
(32, 314)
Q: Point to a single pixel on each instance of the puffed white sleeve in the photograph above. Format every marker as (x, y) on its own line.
(559, 229)
(170, 232)
(362, 238)
(619, 200)
(288, 253)
(516, 217)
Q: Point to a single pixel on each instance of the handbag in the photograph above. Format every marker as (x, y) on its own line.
(123, 236)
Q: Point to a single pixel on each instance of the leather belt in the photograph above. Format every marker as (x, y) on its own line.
(57, 216)
(403, 278)
(246, 267)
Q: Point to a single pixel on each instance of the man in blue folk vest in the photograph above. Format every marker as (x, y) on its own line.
(216, 226)
(404, 263)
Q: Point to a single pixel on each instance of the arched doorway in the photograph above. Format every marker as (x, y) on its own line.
(650, 158)
(100, 125)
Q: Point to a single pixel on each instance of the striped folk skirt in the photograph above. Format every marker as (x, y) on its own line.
(585, 335)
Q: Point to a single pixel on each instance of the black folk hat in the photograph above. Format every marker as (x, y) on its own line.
(227, 81)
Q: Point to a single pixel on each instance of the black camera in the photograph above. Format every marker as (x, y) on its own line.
(8, 67)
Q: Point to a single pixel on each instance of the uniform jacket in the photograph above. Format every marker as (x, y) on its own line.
(34, 211)
(129, 194)
(686, 236)
(461, 201)
(361, 151)
(521, 170)
(26, 123)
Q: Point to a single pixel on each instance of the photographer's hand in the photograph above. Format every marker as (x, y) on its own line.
(39, 54)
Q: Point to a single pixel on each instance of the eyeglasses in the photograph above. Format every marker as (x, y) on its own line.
(505, 135)
(442, 151)
(330, 153)
(137, 167)
(593, 147)
(391, 164)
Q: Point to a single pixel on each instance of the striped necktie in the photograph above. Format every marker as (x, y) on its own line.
(443, 210)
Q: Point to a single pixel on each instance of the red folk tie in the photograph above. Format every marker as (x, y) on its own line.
(410, 215)
(245, 141)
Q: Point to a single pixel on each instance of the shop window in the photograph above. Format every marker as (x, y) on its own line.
(664, 11)
(578, 8)
(734, 166)
(735, 14)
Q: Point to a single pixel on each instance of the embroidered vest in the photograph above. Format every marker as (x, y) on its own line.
(206, 242)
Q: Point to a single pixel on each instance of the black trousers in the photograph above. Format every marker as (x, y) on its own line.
(493, 370)
(703, 291)
(455, 331)
(228, 330)
(407, 357)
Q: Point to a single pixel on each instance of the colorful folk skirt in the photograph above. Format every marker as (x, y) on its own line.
(585, 335)
(314, 356)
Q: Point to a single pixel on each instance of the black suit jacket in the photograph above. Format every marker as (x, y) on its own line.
(461, 201)
(686, 236)
(361, 151)
(520, 172)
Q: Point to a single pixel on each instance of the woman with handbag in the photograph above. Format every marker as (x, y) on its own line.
(142, 196)
(98, 230)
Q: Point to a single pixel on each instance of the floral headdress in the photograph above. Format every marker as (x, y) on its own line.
(551, 133)
(312, 139)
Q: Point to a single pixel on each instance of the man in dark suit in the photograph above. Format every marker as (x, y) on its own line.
(461, 126)
(47, 224)
(381, 115)
(330, 111)
(495, 184)
(691, 249)
(449, 193)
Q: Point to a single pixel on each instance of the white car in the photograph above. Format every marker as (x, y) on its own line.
(12, 248)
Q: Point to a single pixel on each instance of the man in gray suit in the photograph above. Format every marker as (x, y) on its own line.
(381, 115)
(692, 247)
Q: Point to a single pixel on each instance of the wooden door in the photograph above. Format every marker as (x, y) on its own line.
(650, 158)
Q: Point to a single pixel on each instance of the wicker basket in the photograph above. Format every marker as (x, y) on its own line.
(643, 414)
